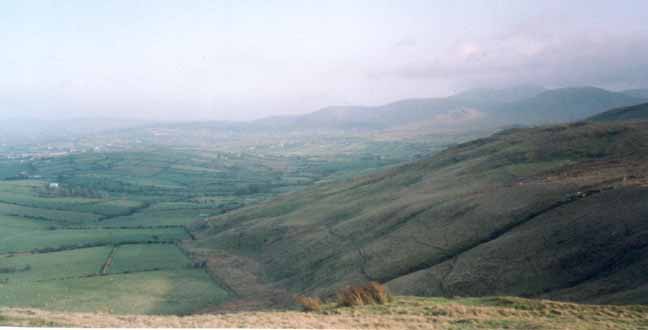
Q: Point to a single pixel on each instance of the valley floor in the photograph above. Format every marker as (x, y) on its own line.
(404, 312)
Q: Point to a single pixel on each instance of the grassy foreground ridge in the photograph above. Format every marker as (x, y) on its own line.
(404, 312)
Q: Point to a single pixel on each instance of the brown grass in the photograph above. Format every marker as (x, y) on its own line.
(309, 304)
(370, 294)
(402, 313)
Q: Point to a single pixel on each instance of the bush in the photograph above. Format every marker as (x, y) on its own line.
(370, 294)
(309, 304)
(379, 293)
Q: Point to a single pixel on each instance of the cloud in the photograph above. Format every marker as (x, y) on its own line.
(405, 43)
(471, 51)
(605, 60)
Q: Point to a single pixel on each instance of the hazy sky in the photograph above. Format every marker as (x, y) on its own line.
(245, 59)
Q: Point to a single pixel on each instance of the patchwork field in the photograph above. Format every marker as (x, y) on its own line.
(95, 270)
(63, 251)
(135, 270)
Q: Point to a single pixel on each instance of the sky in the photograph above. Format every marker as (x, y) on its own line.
(241, 60)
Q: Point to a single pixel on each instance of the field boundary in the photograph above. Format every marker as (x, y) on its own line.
(108, 274)
(85, 246)
(105, 268)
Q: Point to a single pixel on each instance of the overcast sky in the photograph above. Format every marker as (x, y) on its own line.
(234, 60)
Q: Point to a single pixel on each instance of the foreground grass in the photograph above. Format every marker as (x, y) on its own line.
(404, 312)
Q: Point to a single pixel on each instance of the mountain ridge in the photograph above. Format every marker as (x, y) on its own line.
(527, 105)
(635, 112)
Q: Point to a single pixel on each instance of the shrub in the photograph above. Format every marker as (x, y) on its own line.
(370, 294)
(309, 304)
(379, 293)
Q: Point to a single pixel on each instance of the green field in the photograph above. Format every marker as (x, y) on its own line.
(55, 216)
(144, 257)
(161, 217)
(55, 265)
(177, 291)
(78, 238)
(76, 248)
(13, 226)
(143, 278)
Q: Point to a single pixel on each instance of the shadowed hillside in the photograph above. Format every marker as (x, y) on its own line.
(530, 212)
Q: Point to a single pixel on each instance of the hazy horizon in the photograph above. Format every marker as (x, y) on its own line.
(221, 60)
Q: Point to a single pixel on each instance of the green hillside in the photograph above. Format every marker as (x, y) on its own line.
(531, 212)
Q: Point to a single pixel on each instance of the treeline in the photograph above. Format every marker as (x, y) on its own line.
(11, 270)
(71, 191)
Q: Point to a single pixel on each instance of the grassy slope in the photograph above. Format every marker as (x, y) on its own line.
(404, 313)
(501, 215)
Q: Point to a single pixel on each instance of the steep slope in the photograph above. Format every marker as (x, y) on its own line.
(562, 105)
(635, 112)
(529, 212)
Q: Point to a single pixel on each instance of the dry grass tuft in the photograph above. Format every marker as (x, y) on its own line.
(309, 304)
(370, 294)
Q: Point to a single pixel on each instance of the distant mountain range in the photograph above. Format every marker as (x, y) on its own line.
(472, 110)
(521, 105)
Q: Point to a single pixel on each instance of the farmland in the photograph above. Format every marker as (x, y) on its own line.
(143, 257)
(103, 231)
